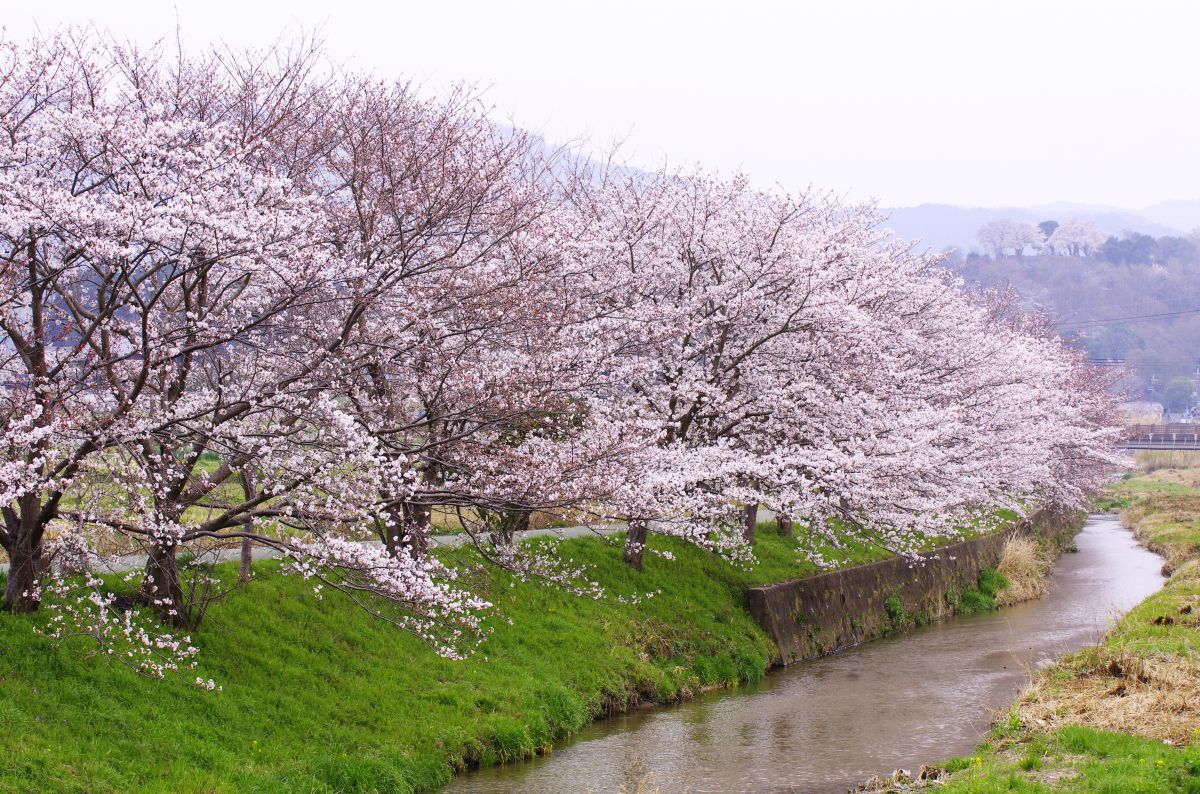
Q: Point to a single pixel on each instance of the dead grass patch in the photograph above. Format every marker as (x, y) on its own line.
(1156, 697)
(1152, 460)
(1025, 565)
(903, 780)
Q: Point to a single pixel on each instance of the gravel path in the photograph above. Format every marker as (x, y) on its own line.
(129, 562)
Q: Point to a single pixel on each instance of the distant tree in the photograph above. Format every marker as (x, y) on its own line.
(1179, 394)
(1048, 228)
(1076, 238)
(1132, 249)
(1113, 343)
(1010, 238)
(1089, 294)
(1174, 249)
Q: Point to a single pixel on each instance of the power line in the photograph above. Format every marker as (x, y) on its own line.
(1130, 318)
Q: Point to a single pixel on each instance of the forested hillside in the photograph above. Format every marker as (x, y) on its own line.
(1131, 298)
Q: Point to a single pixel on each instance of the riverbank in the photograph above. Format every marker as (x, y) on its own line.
(321, 698)
(1123, 715)
(827, 724)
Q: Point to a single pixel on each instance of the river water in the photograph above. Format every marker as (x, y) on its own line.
(827, 724)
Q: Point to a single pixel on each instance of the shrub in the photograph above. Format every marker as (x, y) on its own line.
(991, 581)
(894, 609)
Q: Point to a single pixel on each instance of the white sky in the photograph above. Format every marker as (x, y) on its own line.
(960, 101)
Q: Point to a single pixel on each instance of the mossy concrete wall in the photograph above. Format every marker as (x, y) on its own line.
(826, 613)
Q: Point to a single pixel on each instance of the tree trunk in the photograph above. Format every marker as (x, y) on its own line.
(161, 587)
(785, 526)
(27, 561)
(246, 555)
(749, 522)
(25, 569)
(417, 518)
(247, 551)
(408, 531)
(635, 544)
(510, 523)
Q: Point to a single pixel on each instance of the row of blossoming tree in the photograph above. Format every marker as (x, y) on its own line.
(249, 299)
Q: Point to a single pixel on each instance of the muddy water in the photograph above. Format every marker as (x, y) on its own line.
(823, 725)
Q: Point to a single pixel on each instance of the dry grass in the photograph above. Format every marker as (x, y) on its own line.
(1025, 565)
(1157, 697)
(1145, 417)
(1151, 460)
(903, 780)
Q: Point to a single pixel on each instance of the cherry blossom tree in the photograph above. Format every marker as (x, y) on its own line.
(793, 357)
(727, 287)
(1010, 238)
(167, 301)
(141, 252)
(1076, 238)
(473, 366)
(250, 300)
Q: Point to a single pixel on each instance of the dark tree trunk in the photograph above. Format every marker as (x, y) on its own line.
(635, 544)
(246, 555)
(161, 588)
(785, 526)
(749, 522)
(417, 518)
(27, 563)
(409, 530)
(391, 528)
(25, 569)
(510, 523)
(247, 551)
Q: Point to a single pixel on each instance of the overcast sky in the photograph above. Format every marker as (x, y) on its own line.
(977, 103)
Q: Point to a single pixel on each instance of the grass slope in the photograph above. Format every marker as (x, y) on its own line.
(318, 697)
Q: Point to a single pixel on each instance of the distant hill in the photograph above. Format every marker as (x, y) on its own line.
(1179, 214)
(940, 226)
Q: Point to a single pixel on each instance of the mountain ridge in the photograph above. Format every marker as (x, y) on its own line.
(941, 226)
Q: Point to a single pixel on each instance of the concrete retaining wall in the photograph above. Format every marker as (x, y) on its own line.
(826, 613)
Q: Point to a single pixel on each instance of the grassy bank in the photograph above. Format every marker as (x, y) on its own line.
(1122, 716)
(317, 697)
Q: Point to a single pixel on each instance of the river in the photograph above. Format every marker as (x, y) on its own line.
(826, 724)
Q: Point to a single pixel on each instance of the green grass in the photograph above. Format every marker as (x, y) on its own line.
(982, 597)
(1136, 486)
(1077, 759)
(895, 610)
(318, 697)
